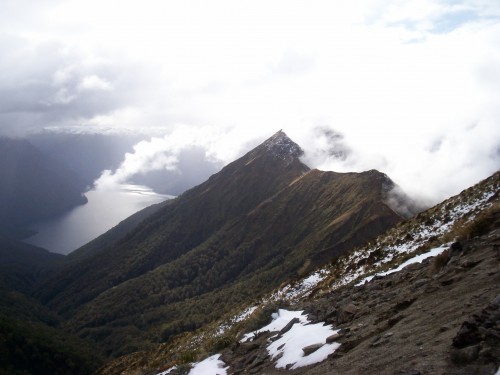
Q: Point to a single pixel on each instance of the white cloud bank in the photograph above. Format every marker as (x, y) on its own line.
(413, 86)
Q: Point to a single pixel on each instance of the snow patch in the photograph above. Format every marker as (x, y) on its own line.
(439, 223)
(287, 349)
(283, 147)
(245, 314)
(212, 365)
(235, 319)
(416, 259)
(280, 320)
(298, 290)
(168, 371)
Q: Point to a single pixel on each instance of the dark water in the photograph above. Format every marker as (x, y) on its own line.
(104, 210)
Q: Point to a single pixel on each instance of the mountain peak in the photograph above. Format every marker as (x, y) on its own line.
(281, 146)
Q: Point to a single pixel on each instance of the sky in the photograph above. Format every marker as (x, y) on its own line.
(408, 87)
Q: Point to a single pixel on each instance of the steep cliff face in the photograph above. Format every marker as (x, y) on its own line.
(263, 219)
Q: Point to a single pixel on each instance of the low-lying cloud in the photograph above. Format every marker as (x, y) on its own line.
(176, 152)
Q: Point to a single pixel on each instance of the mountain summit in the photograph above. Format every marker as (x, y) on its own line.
(282, 147)
(263, 219)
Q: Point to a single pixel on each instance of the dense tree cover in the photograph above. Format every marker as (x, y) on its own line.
(37, 349)
(31, 340)
(305, 224)
(262, 220)
(23, 266)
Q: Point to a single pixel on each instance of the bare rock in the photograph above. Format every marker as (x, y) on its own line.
(245, 348)
(288, 326)
(420, 282)
(311, 349)
(346, 313)
(464, 355)
(333, 338)
(444, 328)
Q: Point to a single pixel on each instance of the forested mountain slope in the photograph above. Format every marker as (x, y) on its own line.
(261, 220)
(422, 298)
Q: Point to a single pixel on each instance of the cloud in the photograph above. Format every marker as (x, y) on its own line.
(408, 87)
(94, 83)
(167, 153)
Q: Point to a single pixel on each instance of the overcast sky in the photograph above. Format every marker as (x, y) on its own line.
(409, 87)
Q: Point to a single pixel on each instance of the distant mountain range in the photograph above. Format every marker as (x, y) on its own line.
(89, 153)
(33, 186)
(86, 155)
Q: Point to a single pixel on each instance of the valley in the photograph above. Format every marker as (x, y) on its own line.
(105, 208)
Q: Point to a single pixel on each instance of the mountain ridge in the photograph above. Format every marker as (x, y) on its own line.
(262, 219)
(412, 321)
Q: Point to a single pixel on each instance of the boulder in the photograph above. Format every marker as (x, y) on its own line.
(464, 355)
(346, 313)
(333, 338)
(311, 348)
(288, 326)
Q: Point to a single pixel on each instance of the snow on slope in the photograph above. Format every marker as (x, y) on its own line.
(298, 290)
(280, 320)
(402, 241)
(287, 349)
(415, 234)
(416, 259)
(399, 243)
(223, 327)
(210, 366)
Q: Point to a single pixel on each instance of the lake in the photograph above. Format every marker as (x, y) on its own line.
(105, 209)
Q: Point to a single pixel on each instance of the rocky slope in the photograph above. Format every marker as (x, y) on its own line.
(426, 319)
(423, 298)
(261, 220)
